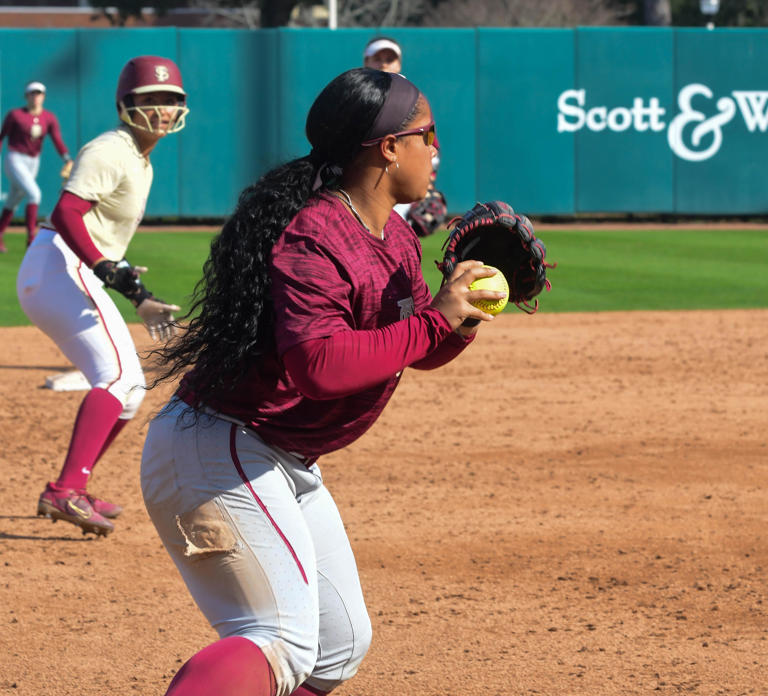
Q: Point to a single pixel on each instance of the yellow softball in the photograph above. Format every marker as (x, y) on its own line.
(495, 282)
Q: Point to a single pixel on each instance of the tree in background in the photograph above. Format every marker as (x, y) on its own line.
(242, 13)
(657, 13)
(525, 13)
(253, 14)
(732, 13)
(381, 13)
(120, 11)
(451, 13)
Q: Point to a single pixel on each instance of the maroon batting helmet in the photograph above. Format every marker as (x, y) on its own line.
(145, 74)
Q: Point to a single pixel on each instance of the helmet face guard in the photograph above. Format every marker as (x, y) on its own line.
(144, 75)
(138, 117)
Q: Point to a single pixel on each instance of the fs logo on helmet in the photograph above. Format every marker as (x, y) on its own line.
(161, 73)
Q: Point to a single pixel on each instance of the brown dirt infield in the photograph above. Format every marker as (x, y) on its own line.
(576, 505)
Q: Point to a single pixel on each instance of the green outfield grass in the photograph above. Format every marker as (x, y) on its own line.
(604, 270)
(616, 270)
(174, 259)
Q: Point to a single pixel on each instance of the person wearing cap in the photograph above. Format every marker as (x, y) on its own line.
(383, 53)
(25, 128)
(79, 253)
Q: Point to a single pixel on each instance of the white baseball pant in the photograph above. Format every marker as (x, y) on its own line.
(21, 171)
(66, 301)
(260, 544)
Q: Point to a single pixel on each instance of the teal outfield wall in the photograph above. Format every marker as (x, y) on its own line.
(555, 121)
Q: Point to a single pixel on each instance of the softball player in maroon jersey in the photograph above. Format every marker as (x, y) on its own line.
(62, 279)
(313, 303)
(25, 129)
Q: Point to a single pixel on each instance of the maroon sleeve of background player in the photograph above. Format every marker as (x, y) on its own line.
(55, 133)
(67, 218)
(6, 126)
(348, 362)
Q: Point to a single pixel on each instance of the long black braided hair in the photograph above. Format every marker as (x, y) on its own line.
(231, 320)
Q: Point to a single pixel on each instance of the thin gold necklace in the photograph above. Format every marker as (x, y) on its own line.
(355, 213)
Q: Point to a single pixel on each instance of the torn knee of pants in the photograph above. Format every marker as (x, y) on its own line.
(206, 532)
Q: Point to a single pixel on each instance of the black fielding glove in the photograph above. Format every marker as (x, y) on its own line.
(427, 214)
(496, 235)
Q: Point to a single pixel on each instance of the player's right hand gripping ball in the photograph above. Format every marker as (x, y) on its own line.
(494, 234)
(495, 282)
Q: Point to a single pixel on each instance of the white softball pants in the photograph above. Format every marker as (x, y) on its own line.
(66, 301)
(21, 171)
(260, 544)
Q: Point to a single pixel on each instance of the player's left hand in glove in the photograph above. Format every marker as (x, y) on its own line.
(66, 170)
(158, 318)
(494, 234)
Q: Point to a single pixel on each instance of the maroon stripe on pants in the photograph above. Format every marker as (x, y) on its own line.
(238, 466)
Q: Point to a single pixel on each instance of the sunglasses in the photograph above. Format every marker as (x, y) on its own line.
(428, 132)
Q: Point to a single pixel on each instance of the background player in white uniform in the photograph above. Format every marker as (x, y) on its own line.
(62, 278)
(25, 129)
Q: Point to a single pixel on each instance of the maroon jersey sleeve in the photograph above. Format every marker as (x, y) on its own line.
(67, 217)
(7, 121)
(55, 132)
(445, 352)
(352, 361)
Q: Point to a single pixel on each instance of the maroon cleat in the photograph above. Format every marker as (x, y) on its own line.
(72, 506)
(103, 507)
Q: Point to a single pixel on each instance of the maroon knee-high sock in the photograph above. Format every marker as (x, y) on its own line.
(116, 428)
(94, 424)
(229, 667)
(5, 220)
(30, 219)
(305, 690)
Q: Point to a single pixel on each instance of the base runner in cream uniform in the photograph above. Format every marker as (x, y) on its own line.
(80, 251)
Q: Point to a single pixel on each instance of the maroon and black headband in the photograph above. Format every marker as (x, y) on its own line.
(398, 104)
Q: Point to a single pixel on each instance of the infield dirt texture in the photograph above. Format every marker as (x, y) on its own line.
(576, 505)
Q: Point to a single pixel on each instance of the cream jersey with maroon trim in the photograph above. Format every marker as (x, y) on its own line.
(111, 172)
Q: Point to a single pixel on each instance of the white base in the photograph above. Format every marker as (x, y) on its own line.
(74, 380)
